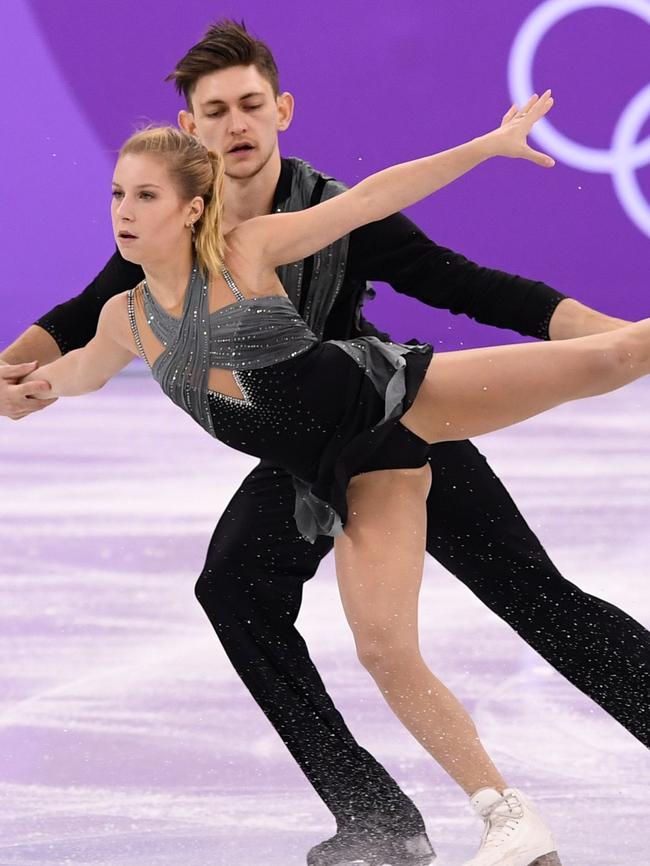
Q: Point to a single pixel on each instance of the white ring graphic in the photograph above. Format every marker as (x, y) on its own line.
(626, 155)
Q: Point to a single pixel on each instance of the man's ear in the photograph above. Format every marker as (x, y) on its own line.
(285, 103)
(186, 121)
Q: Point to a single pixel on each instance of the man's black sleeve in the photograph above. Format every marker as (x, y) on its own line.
(395, 251)
(73, 323)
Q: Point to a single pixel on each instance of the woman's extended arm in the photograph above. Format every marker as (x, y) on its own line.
(283, 238)
(89, 368)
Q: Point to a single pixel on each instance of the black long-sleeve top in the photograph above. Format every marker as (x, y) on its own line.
(393, 250)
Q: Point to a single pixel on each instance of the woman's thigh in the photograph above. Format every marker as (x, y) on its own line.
(476, 391)
(380, 555)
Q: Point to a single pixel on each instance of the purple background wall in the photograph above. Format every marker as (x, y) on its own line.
(375, 83)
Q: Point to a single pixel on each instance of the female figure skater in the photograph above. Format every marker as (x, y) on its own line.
(350, 420)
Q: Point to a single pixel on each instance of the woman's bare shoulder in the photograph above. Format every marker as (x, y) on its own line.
(117, 307)
(114, 317)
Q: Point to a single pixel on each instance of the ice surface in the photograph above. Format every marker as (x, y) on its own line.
(127, 739)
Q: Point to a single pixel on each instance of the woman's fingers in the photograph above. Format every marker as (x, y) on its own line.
(536, 107)
(529, 105)
(541, 107)
(538, 157)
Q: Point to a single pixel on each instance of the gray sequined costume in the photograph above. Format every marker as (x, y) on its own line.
(320, 409)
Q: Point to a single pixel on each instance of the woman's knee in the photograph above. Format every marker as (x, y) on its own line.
(608, 361)
(632, 346)
(383, 653)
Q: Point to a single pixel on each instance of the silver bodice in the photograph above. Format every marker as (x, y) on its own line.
(249, 334)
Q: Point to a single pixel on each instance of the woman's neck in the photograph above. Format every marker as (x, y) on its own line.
(167, 281)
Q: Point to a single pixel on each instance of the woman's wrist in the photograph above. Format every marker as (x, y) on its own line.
(37, 376)
(488, 144)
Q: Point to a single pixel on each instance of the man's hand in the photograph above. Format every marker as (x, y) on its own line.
(18, 400)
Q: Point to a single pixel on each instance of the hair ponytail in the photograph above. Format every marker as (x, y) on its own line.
(209, 242)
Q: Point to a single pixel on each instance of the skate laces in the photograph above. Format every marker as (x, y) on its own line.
(501, 821)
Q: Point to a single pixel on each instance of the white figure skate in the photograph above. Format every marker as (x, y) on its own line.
(514, 833)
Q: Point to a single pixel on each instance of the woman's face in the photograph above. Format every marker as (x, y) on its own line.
(150, 221)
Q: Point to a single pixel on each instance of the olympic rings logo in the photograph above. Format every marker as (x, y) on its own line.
(626, 154)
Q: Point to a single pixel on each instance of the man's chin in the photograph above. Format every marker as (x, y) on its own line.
(244, 169)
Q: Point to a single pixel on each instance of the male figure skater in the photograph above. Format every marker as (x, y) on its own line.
(251, 587)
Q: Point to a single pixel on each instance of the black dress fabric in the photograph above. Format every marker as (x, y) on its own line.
(322, 411)
(319, 410)
(325, 417)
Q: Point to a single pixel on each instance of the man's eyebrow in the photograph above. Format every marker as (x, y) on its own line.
(239, 99)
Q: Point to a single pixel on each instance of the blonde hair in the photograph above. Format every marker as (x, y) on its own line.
(195, 171)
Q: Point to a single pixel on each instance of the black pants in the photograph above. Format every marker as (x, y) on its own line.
(251, 589)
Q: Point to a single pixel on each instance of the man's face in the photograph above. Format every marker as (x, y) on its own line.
(235, 113)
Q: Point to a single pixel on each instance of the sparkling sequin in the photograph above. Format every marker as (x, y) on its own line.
(317, 416)
(249, 334)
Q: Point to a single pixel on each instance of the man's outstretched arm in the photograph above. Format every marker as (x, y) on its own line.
(34, 344)
(396, 251)
(66, 327)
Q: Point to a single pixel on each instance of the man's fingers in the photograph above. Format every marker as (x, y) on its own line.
(17, 401)
(510, 113)
(17, 371)
(32, 389)
(28, 407)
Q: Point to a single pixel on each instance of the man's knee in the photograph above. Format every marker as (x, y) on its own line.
(234, 588)
(219, 588)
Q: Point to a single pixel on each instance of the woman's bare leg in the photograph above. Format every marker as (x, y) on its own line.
(379, 562)
(468, 393)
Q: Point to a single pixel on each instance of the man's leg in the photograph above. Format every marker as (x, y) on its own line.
(477, 533)
(251, 590)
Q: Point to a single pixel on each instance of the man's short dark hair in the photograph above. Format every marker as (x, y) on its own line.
(225, 43)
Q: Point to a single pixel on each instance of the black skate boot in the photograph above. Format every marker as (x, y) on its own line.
(372, 846)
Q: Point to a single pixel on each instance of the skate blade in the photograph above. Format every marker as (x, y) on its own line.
(427, 860)
(551, 859)
(424, 860)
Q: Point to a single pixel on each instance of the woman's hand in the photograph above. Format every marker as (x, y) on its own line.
(22, 391)
(510, 139)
